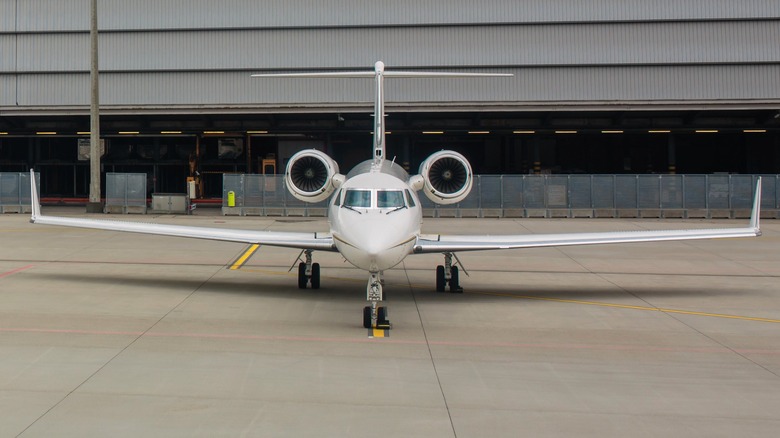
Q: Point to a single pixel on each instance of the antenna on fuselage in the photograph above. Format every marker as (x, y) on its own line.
(379, 74)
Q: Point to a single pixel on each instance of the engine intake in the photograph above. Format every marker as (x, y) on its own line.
(447, 177)
(310, 175)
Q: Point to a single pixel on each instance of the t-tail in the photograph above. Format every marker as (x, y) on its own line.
(379, 73)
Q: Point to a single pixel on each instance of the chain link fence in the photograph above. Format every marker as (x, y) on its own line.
(629, 196)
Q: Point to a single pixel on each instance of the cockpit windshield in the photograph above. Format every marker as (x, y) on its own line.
(357, 198)
(389, 198)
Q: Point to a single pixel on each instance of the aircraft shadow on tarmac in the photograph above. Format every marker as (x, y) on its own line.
(348, 288)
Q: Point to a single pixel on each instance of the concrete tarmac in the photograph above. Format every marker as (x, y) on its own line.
(112, 334)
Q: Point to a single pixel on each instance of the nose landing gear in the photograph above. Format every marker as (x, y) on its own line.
(375, 316)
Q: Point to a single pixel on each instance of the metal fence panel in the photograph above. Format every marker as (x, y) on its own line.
(531, 195)
(718, 192)
(125, 190)
(533, 192)
(626, 191)
(603, 191)
(557, 191)
(671, 195)
(648, 193)
(490, 191)
(472, 199)
(741, 191)
(512, 188)
(15, 192)
(9, 189)
(580, 191)
(695, 187)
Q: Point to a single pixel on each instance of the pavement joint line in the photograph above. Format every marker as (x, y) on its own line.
(136, 336)
(630, 307)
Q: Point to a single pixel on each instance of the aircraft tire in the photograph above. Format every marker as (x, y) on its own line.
(315, 275)
(367, 317)
(455, 281)
(302, 280)
(440, 281)
(381, 315)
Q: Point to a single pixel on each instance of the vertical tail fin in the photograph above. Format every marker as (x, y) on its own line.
(379, 73)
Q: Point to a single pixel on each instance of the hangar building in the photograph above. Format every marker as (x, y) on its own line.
(600, 86)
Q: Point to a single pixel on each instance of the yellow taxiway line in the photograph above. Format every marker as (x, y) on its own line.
(244, 257)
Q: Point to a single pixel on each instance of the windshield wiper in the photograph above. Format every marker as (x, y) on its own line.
(350, 208)
(396, 209)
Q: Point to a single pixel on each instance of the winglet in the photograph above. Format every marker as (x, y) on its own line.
(755, 215)
(36, 204)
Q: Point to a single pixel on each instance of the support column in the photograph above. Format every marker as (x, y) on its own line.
(95, 205)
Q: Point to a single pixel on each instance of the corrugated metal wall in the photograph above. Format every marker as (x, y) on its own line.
(199, 53)
(542, 45)
(58, 15)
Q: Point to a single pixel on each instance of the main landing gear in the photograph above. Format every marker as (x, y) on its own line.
(308, 271)
(448, 276)
(375, 316)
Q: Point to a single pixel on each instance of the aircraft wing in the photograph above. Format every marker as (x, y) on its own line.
(313, 240)
(442, 243)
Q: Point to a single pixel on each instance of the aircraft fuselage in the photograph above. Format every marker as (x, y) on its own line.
(375, 218)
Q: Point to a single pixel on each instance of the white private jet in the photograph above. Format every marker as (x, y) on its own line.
(375, 215)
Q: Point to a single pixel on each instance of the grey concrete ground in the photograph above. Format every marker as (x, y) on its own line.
(108, 334)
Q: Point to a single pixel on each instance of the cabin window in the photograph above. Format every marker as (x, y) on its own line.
(357, 198)
(389, 198)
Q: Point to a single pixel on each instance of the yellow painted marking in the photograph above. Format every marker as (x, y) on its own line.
(244, 257)
(377, 333)
(626, 306)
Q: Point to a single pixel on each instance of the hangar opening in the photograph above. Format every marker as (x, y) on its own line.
(169, 149)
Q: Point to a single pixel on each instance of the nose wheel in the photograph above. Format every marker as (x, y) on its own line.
(374, 315)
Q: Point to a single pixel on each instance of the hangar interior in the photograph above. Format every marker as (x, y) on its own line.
(599, 88)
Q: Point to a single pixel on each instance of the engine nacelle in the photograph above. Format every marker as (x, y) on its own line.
(447, 177)
(312, 176)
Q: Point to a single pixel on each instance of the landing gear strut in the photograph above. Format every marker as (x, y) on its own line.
(447, 275)
(308, 271)
(375, 316)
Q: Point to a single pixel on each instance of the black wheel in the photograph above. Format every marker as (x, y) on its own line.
(315, 276)
(367, 317)
(440, 281)
(302, 280)
(381, 315)
(454, 280)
